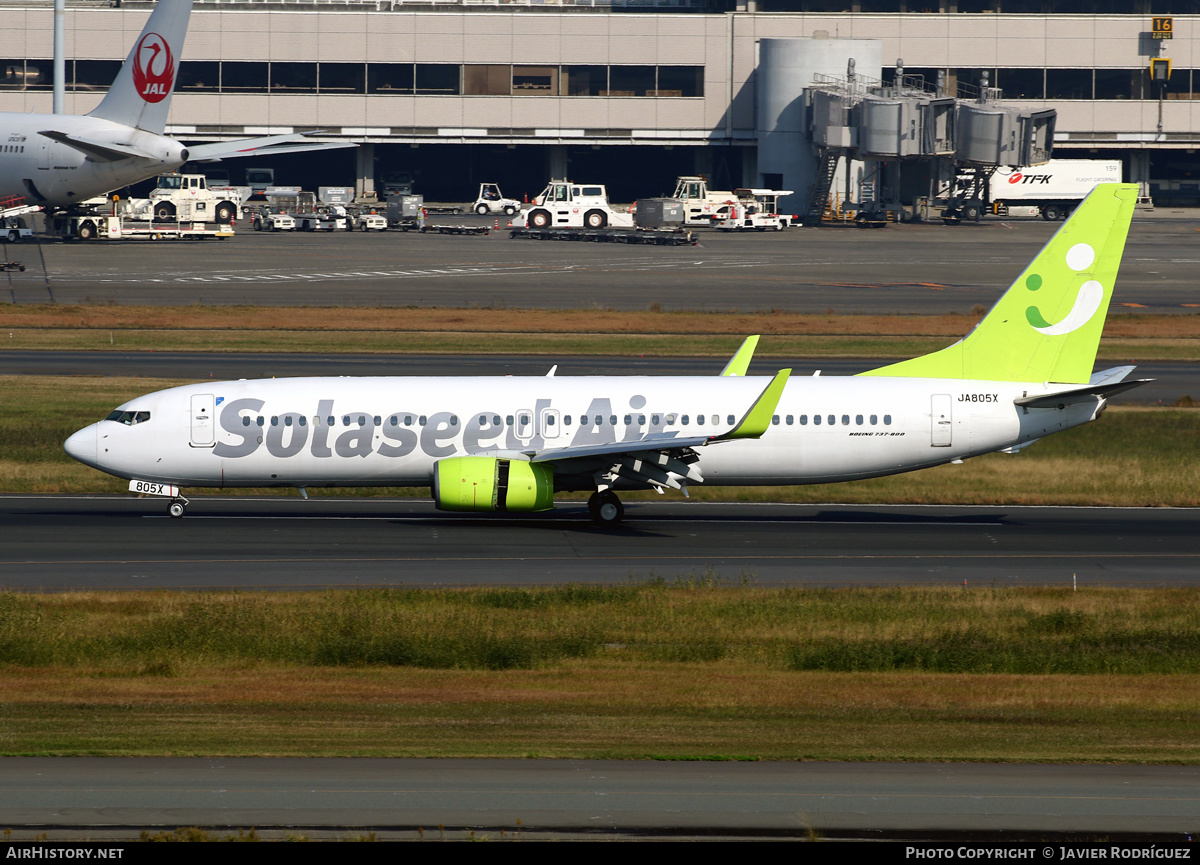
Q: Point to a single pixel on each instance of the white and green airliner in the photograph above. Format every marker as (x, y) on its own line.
(510, 443)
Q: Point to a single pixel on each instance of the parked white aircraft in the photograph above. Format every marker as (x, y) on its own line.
(486, 443)
(58, 160)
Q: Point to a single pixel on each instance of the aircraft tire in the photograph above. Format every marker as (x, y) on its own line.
(606, 509)
(176, 510)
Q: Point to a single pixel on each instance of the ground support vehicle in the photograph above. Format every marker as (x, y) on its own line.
(366, 221)
(316, 222)
(655, 237)
(452, 209)
(260, 179)
(701, 205)
(186, 197)
(491, 200)
(397, 183)
(266, 219)
(756, 210)
(91, 226)
(406, 212)
(563, 204)
(15, 228)
(12, 265)
(1055, 188)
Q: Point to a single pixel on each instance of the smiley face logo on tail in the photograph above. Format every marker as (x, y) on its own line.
(1087, 301)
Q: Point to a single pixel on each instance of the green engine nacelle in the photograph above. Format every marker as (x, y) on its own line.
(492, 484)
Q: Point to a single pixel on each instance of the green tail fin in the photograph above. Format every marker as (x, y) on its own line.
(1047, 326)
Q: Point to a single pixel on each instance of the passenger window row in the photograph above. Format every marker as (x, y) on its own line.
(130, 418)
(832, 419)
(347, 420)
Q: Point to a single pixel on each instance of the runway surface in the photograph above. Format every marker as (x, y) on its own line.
(110, 542)
(535, 799)
(904, 268)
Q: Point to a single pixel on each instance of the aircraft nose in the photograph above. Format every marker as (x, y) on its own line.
(82, 445)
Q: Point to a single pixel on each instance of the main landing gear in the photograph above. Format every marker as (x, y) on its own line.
(606, 509)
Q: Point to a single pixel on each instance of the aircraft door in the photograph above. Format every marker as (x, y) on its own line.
(202, 420)
(941, 421)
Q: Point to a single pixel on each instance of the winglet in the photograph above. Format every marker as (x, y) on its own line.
(758, 418)
(740, 362)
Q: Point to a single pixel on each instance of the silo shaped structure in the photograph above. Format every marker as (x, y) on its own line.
(785, 69)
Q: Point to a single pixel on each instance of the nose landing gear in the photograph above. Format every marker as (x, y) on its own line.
(177, 508)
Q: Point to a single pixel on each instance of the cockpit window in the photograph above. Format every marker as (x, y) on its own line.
(129, 418)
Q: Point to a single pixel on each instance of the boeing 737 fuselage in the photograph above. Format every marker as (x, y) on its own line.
(486, 444)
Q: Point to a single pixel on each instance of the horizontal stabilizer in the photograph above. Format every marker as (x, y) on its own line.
(98, 151)
(266, 145)
(1081, 394)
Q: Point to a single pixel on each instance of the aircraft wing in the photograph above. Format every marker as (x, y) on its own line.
(98, 151)
(292, 143)
(660, 460)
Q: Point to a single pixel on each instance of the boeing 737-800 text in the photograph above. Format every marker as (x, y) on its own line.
(508, 444)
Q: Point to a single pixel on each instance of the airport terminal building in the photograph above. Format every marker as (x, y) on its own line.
(625, 92)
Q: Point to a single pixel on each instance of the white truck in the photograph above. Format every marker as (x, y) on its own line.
(1052, 189)
(491, 200)
(701, 205)
(757, 210)
(367, 220)
(563, 204)
(267, 218)
(15, 228)
(187, 198)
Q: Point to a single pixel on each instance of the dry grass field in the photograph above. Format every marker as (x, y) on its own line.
(687, 671)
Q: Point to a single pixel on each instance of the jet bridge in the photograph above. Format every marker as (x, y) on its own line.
(915, 143)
